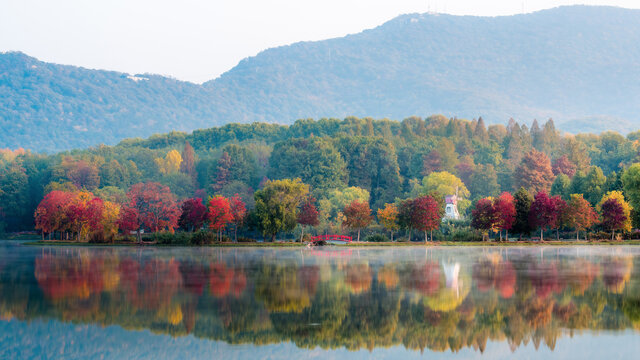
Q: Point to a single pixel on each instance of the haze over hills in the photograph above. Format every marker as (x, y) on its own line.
(579, 65)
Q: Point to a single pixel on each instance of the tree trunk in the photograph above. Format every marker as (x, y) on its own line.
(273, 237)
(431, 235)
(235, 233)
(139, 236)
(541, 234)
(612, 233)
(426, 238)
(392, 236)
(506, 235)
(302, 233)
(577, 235)
(500, 240)
(358, 235)
(558, 234)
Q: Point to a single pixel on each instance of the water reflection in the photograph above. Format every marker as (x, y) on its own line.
(436, 299)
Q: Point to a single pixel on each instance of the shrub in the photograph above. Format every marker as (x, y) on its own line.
(202, 237)
(376, 238)
(464, 234)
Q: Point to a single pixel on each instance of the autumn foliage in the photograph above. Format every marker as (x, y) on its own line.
(155, 205)
(79, 214)
(219, 213)
(426, 215)
(357, 216)
(193, 214)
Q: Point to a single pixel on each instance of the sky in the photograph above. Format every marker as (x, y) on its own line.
(197, 40)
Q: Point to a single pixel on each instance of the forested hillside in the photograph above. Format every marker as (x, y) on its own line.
(377, 162)
(578, 65)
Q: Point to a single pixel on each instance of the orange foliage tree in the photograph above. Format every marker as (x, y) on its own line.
(357, 215)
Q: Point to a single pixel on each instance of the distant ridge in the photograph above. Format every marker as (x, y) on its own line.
(579, 65)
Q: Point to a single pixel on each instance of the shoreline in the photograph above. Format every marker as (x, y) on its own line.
(361, 244)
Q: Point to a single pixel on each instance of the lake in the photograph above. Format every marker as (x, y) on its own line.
(332, 302)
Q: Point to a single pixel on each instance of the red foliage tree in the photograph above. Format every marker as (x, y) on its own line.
(50, 215)
(193, 215)
(543, 213)
(426, 215)
(563, 165)
(559, 208)
(156, 206)
(219, 214)
(308, 215)
(613, 216)
(505, 209)
(358, 215)
(483, 216)
(238, 213)
(128, 220)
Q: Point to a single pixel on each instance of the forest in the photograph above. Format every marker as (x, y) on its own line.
(373, 179)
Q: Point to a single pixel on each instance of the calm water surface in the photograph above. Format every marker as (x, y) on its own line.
(235, 303)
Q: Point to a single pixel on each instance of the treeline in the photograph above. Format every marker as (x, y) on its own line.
(377, 162)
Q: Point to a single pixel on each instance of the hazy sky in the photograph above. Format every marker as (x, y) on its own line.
(197, 40)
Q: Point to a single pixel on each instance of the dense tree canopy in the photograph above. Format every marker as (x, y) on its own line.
(277, 205)
(377, 161)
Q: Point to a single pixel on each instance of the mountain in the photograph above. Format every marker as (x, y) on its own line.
(579, 65)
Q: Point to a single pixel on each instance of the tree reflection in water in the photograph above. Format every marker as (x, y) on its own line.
(442, 300)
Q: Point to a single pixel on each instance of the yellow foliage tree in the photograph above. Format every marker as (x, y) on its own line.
(388, 217)
(110, 215)
(171, 163)
(443, 183)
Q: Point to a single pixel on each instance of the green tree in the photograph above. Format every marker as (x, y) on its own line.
(277, 204)
(372, 164)
(631, 184)
(561, 186)
(443, 183)
(315, 160)
(336, 200)
(591, 184)
(237, 163)
(14, 200)
(523, 200)
(484, 182)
